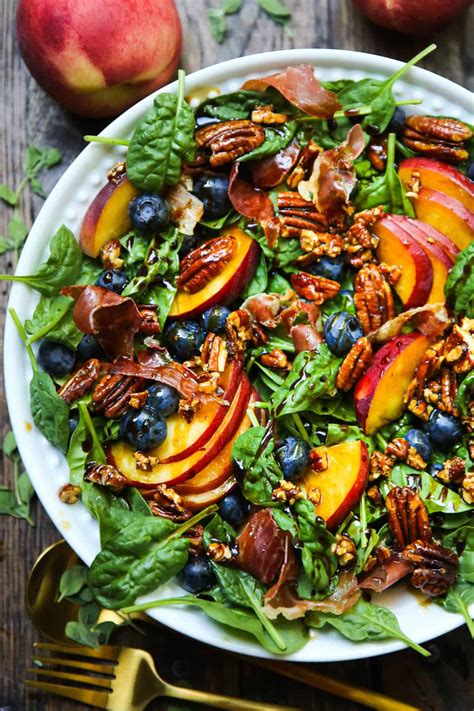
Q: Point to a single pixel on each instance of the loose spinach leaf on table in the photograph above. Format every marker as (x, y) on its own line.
(162, 140)
(276, 10)
(364, 621)
(459, 287)
(62, 267)
(276, 138)
(313, 375)
(217, 18)
(35, 159)
(253, 454)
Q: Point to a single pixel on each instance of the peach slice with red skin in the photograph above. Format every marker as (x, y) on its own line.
(197, 502)
(436, 237)
(436, 175)
(397, 247)
(341, 485)
(107, 216)
(440, 262)
(447, 215)
(121, 455)
(224, 287)
(378, 396)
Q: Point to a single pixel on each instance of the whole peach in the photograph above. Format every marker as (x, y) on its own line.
(98, 58)
(412, 16)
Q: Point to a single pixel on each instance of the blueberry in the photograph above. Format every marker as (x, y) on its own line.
(149, 212)
(421, 442)
(56, 359)
(183, 339)
(435, 469)
(328, 267)
(444, 430)
(189, 243)
(143, 429)
(162, 399)
(214, 319)
(113, 280)
(212, 191)
(89, 347)
(470, 170)
(234, 508)
(293, 456)
(341, 331)
(397, 121)
(196, 575)
(73, 420)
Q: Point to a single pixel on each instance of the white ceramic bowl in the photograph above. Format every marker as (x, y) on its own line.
(67, 204)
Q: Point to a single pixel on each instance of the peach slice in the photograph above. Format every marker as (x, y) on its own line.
(378, 396)
(121, 455)
(436, 237)
(107, 216)
(447, 215)
(224, 287)
(436, 175)
(197, 502)
(397, 247)
(440, 262)
(343, 482)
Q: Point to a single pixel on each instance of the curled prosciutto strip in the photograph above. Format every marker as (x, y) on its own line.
(386, 574)
(272, 170)
(300, 87)
(263, 547)
(154, 367)
(333, 176)
(264, 309)
(305, 337)
(112, 319)
(247, 200)
(431, 320)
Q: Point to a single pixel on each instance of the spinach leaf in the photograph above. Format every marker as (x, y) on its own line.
(252, 452)
(53, 318)
(466, 388)
(313, 375)
(16, 502)
(458, 599)
(50, 413)
(72, 581)
(60, 269)
(278, 284)
(364, 621)
(436, 496)
(276, 10)
(461, 595)
(162, 139)
(348, 433)
(240, 104)
(459, 287)
(217, 18)
(276, 138)
(319, 562)
(77, 453)
(259, 281)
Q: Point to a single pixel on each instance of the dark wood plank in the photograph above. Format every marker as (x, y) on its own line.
(29, 116)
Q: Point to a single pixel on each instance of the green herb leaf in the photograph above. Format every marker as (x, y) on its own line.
(459, 287)
(8, 195)
(253, 454)
(276, 138)
(277, 10)
(52, 317)
(78, 632)
(217, 24)
(17, 231)
(9, 445)
(230, 7)
(50, 413)
(319, 562)
(466, 388)
(72, 581)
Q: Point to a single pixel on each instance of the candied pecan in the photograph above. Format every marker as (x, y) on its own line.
(195, 536)
(407, 516)
(354, 364)
(297, 214)
(435, 567)
(219, 552)
(110, 255)
(69, 494)
(359, 241)
(106, 475)
(459, 346)
(317, 244)
(229, 140)
(81, 381)
(319, 460)
(314, 495)
(266, 115)
(150, 325)
(415, 460)
(398, 448)
(137, 400)
(240, 329)
(113, 392)
(374, 495)
(453, 471)
(304, 165)
(391, 272)
(314, 288)
(441, 138)
(214, 353)
(116, 173)
(272, 230)
(345, 549)
(276, 358)
(467, 488)
(145, 462)
(204, 263)
(377, 153)
(287, 491)
(373, 298)
(188, 407)
(444, 129)
(448, 392)
(430, 365)
(381, 464)
(166, 502)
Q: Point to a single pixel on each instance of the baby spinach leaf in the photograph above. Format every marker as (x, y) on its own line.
(17, 502)
(319, 562)
(217, 18)
(240, 104)
(218, 530)
(463, 538)
(348, 433)
(53, 318)
(466, 388)
(60, 269)
(253, 454)
(80, 633)
(276, 138)
(50, 413)
(458, 599)
(276, 10)
(230, 581)
(364, 621)
(436, 496)
(72, 581)
(313, 374)
(162, 140)
(258, 283)
(8, 195)
(459, 287)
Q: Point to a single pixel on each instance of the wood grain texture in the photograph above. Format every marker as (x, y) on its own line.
(29, 116)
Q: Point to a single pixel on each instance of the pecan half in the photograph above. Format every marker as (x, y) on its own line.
(276, 358)
(204, 263)
(297, 214)
(354, 364)
(441, 138)
(467, 487)
(219, 552)
(229, 140)
(287, 491)
(110, 255)
(359, 241)
(214, 353)
(377, 153)
(314, 288)
(150, 323)
(266, 115)
(240, 329)
(435, 567)
(317, 244)
(106, 475)
(398, 448)
(459, 347)
(381, 464)
(373, 298)
(304, 166)
(81, 381)
(407, 516)
(116, 173)
(345, 549)
(69, 494)
(113, 392)
(453, 471)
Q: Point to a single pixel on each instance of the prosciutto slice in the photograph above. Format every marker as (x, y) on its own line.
(386, 574)
(272, 170)
(263, 547)
(300, 87)
(247, 200)
(431, 320)
(264, 309)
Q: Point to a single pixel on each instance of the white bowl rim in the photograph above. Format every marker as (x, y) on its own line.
(33, 252)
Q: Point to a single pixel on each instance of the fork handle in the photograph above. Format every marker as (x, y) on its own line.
(219, 701)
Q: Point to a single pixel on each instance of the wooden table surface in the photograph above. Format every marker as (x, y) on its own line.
(29, 116)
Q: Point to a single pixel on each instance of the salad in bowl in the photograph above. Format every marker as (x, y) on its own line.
(258, 360)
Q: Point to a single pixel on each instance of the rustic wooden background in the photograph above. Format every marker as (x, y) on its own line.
(445, 681)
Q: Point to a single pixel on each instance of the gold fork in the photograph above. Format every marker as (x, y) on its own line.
(120, 679)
